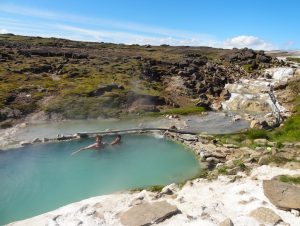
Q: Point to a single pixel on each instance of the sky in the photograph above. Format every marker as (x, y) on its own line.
(257, 24)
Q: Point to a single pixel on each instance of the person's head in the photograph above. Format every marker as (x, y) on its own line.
(119, 136)
(98, 138)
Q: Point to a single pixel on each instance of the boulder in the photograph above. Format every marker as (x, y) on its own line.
(272, 144)
(254, 124)
(265, 215)
(6, 113)
(188, 137)
(169, 190)
(259, 124)
(283, 195)
(204, 103)
(297, 145)
(261, 141)
(288, 144)
(216, 106)
(212, 159)
(148, 213)
(264, 160)
(225, 94)
(230, 146)
(226, 222)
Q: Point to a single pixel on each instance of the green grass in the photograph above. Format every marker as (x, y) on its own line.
(203, 173)
(290, 179)
(155, 188)
(183, 110)
(223, 170)
(289, 132)
(240, 164)
(257, 134)
(295, 59)
(248, 68)
(175, 111)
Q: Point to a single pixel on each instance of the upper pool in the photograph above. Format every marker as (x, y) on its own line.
(40, 178)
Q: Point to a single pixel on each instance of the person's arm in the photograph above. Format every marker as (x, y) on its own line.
(115, 141)
(85, 148)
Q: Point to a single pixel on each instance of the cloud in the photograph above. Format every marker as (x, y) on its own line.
(248, 41)
(3, 31)
(133, 38)
(46, 23)
(120, 25)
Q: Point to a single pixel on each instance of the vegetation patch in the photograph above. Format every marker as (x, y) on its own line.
(295, 59)
(223, 170)
(288, 132)
(183, 110)
(248, 68)
(239, 163)
(155, 188)
(290, 179)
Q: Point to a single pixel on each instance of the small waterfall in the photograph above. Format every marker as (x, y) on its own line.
(281, 74)
(256, 95)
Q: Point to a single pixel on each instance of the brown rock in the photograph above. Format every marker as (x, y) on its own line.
(282, 195)
(148, 213)
(226, 222)
(264, 160)
(265, 215)
(260, 141)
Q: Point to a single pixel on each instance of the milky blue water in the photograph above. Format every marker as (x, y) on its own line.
(40, 178)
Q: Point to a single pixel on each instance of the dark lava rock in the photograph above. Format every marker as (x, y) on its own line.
(151, 72)
(37, 69)
(52, 52)
(102, 89)
(144, 99)
(246, 56)
(6, 113)
(204, 101)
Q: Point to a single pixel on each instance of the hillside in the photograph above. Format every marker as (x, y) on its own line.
(79, 80)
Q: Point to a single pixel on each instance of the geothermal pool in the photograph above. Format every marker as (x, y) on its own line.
(40, 178)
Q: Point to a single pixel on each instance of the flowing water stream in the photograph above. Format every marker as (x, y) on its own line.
(252, 95)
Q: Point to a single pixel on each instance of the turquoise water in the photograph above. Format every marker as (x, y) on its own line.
(40, 178)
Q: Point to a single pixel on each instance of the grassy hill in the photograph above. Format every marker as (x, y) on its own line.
(87, 80)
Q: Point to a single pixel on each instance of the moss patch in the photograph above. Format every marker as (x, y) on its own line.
(290, 179)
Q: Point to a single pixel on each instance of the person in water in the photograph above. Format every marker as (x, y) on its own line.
(117, 140)
(98, 145)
